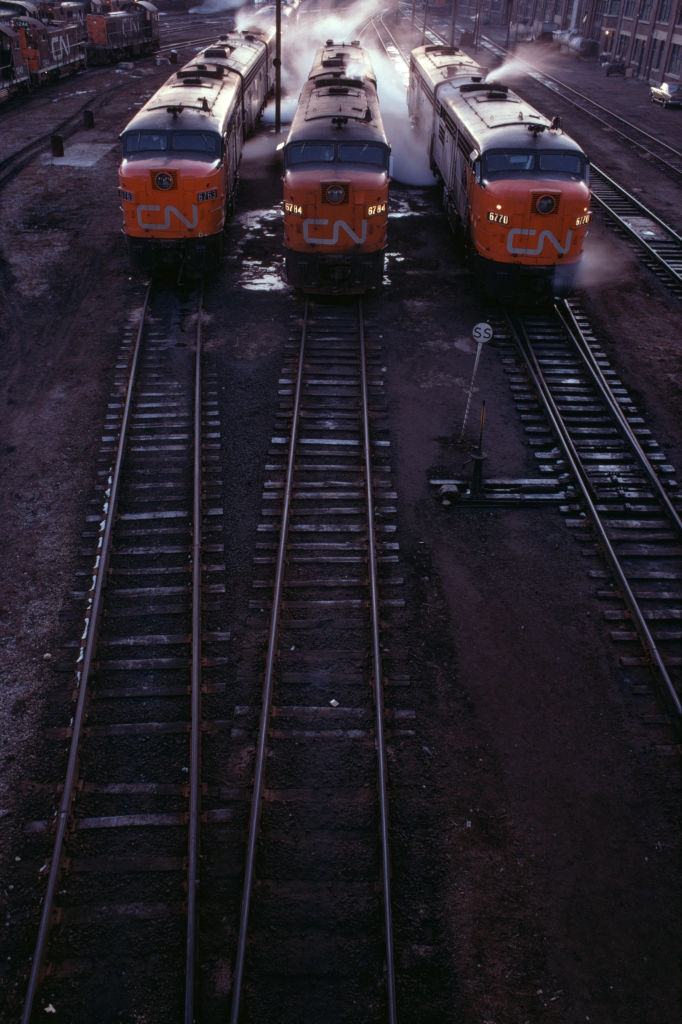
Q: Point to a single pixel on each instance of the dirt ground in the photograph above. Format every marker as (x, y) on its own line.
(535, 833)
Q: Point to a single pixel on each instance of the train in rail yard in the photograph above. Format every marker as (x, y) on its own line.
(41, 42)
(336, 177)
(516, 187)
(180, 153)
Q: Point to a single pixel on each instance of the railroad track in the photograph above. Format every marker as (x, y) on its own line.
(20, 158)
(659, 245)
(587, 431)
(118, 926)
(316, 927)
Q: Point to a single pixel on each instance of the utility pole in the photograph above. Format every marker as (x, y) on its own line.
(426, 14)
(453, 22)
(278, 65)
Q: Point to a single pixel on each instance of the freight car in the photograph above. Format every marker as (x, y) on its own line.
(181, 152)
(336, 174)
(515, 186)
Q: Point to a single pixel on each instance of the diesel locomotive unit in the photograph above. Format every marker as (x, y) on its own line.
(336, 173)
(515, 186)
(181, 151)
(40, 42)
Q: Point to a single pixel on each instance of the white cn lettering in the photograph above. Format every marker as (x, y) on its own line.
(520, 250)
(168, 212)
(61, 48)
(339, 225)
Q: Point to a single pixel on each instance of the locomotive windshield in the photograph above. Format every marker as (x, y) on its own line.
(541, 163)
(337, 152)
(200, 145)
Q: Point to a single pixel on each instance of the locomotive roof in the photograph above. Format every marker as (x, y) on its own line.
(204, 91)
(339, 100)
(496, 117)
(439, 63)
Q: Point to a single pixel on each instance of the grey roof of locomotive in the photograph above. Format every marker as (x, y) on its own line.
(339, 100)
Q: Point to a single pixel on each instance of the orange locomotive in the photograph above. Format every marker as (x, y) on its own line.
(336, 172)
(514, 184)
(181, 151)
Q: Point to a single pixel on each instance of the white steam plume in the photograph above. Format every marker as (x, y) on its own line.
(216, 6)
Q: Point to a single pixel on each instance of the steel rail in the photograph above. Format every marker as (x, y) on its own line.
(377, 676)
(653, 252)
(83, 679)
(644, 210)
(568, 319)
(268, 682)
(581, 476)
(194, 811)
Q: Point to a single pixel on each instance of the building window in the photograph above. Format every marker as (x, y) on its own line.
(645, 12)
(623, 43)
(657, 53)
(629, 8)
(664, 13)
(675, 65)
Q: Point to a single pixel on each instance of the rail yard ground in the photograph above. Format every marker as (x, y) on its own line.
(534, 813)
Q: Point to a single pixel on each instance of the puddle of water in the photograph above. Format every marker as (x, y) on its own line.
(256, 277)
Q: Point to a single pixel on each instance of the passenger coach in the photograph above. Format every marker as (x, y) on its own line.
(336, 173)
(181, 152)
(514, 184)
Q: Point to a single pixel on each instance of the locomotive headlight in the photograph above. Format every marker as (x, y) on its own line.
(335, 194)
(164, 180)
(545, 204)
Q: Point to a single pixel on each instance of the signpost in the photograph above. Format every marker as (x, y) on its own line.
(482, 334)
(278, 66)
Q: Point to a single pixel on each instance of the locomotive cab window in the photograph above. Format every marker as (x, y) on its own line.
(363, 153)
(200, 145)
(534, 162)
(343, 152)
(309, 153)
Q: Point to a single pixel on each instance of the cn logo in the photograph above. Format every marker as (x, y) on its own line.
(61, 48)
(168, 212)
(520, 250)
(339, 225)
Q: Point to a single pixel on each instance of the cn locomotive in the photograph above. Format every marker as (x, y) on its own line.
(515, 186)
(43, 41)
(336, 174)
(181, 152)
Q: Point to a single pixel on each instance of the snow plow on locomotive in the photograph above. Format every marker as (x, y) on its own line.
(181, 152)
(515, 186)
(336, 176)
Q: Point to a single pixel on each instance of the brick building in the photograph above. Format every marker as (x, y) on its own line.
(646, 34)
